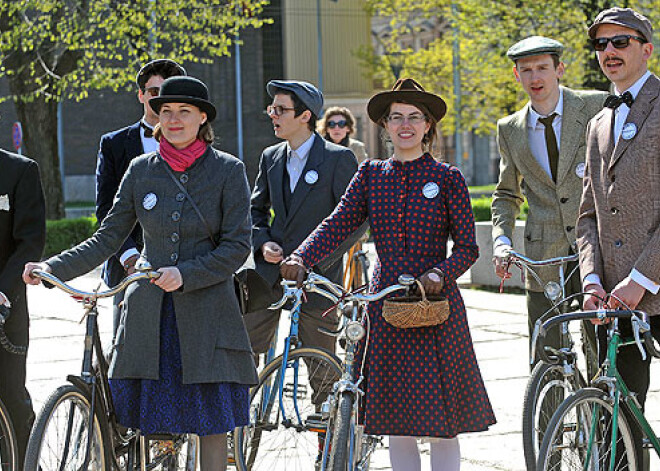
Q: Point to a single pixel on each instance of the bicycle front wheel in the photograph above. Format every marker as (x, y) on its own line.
(287, 435)
(59, 438)
(579, 436)
(546, 389)
(8, 450)
(340, 430)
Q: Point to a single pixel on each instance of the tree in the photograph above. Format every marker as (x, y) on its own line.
(56, 49)
(486, 29)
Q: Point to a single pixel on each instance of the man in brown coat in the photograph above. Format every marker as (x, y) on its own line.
(619, 222)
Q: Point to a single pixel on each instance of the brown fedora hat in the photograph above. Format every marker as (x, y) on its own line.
(409, 91)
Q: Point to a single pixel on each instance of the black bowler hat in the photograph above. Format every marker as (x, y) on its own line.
(184, 89)
(409, 91)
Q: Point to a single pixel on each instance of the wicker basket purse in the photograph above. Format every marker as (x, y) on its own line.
(407, 312)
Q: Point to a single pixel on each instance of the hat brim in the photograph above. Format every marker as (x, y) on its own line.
(380, 102)
(206, 106)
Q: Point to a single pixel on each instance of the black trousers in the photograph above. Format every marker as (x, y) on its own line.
(13, 392)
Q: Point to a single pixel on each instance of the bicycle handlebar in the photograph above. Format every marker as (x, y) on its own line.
(541, 263)
(50, 278)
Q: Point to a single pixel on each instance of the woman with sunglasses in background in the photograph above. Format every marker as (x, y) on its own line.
(419, 382)
(337, 125)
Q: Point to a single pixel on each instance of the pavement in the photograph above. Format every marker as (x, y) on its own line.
(499, 330)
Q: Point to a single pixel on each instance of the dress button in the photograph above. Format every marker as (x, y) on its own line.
(174, 237)
(176, 215)
(618, 244)
(614, 211)
(563, 200)
(184, 178)
(180, 197)
(174, 257)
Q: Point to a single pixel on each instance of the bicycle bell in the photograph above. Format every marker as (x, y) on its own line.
(552, 291)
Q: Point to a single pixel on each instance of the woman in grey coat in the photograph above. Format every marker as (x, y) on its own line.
(182, 361)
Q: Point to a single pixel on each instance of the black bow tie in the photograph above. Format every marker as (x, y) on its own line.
(614, 101)
(148, 132)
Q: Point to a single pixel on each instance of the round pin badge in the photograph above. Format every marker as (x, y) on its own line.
(629, 131)
(149, 201)
(430, 190)
(579, 170)
(311, 177)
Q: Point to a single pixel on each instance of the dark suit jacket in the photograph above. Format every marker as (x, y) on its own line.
(310, 202)
(22, 230)
(116, 150)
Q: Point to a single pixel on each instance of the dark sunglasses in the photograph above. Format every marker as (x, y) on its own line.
(620, 41)
(153, 91)
(337, 124)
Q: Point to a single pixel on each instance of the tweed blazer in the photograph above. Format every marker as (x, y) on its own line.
(553, 207)
(311, 202)
(619, 220)
(214, 343)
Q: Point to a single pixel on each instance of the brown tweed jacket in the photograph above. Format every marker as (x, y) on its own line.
(619, 221)
(553, 207)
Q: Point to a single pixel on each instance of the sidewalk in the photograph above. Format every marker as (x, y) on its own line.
(499, 331)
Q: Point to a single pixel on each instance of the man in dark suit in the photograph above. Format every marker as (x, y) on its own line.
(22, 238)
(116, 151)
(301, 179)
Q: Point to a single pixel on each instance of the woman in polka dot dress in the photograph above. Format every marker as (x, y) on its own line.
(419, 382)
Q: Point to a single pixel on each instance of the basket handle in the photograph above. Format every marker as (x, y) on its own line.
(421, 289)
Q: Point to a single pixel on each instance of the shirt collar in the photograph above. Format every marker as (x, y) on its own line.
(636, 87)
(145, 124)
(303, 150)
(533, 116)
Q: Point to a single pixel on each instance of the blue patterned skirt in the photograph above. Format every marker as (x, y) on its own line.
(167, 405)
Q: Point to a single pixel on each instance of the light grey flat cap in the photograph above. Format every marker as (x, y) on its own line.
(534, 46)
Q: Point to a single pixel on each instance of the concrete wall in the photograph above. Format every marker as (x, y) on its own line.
(482, 272)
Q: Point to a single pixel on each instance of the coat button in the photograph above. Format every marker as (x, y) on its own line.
(174, 257)
(569, 228)
(174, 237)
(184, 178)
(176, 215)
(614, 211)
(618, 244)
(563, 200)
(180, 197)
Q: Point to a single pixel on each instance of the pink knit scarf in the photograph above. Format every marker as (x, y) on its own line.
(181, 159)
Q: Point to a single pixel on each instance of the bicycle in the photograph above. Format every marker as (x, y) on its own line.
(550, 382)
(588, 430)
(356, 272)
(8, 444)
(77, 429)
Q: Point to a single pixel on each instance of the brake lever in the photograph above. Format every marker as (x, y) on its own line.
(640, 327)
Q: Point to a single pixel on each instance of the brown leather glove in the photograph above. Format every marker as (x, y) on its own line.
(433, 281)
(292, 268)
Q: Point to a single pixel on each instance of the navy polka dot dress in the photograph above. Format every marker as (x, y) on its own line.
(422, 381)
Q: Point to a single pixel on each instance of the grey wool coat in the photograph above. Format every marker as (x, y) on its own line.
(214, 343)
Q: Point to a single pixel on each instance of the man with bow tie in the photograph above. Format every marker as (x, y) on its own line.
(542, 159)
(116, 150)
(619, 221)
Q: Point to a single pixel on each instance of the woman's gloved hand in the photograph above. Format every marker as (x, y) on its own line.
(433, 281)
(293, 268)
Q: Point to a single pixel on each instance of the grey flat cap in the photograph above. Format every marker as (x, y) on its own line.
(623, 17)
(306, 92)
(534, 46)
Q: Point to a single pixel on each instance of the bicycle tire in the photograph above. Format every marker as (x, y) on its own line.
(340, 432)
(8, 445)
(266, 443)
(67, 406)
(566, 445)
(546, 389)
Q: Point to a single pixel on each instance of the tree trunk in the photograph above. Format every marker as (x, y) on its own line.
(39, 121)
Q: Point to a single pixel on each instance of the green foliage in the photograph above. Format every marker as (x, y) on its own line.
(66, 233)
(66, 47)
(481, 209)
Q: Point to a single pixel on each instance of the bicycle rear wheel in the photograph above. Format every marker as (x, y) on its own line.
(270, 442)
(546, 389)
(579, 436)
(8, 449)
(340, 430)
(59, 438)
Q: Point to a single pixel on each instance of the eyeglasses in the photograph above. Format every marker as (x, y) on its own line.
(153, 91)
(620, 41)
(337, 124)
(413, 119)
(277, 110)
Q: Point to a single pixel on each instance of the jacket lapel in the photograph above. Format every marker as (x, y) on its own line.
(638, 113)
(133, 143)
(276, 174)
(573, 122)
(314, 160)
(520, 138)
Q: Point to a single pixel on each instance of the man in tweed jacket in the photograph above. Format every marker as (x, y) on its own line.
(619, 221)
(526, 170)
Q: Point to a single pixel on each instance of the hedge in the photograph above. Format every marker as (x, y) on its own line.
(66, 233)
(481, 209)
